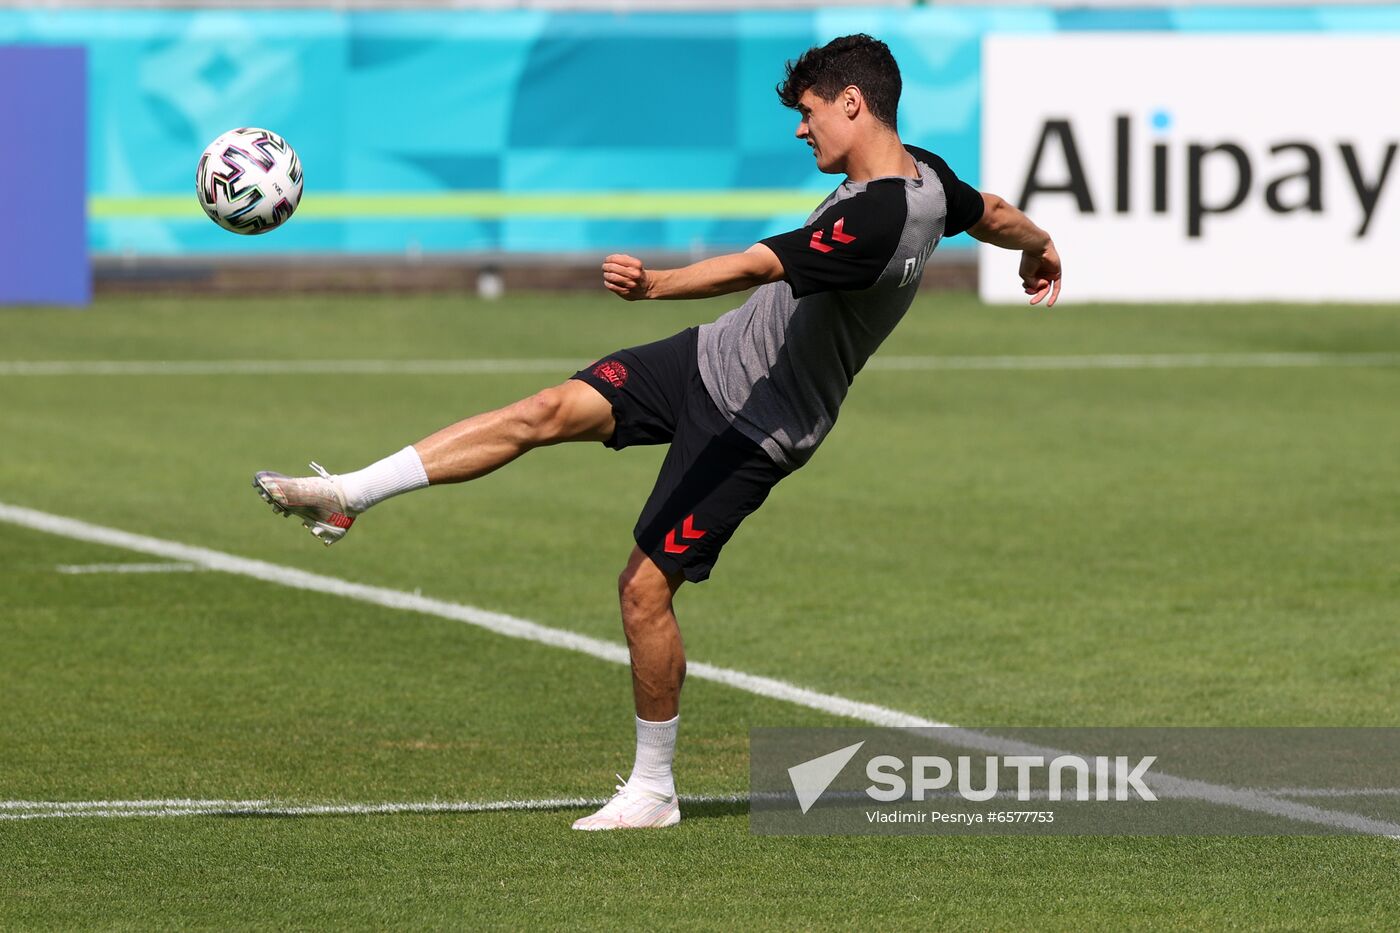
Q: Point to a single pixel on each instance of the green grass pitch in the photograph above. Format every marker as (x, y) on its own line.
(1137, 546)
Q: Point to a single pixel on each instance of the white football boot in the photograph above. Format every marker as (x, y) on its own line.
(317, 500)
(633, 808)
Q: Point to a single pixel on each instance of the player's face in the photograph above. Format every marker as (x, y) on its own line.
(825, 127)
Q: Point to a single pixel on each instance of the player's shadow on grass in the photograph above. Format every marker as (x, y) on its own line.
(713, 809)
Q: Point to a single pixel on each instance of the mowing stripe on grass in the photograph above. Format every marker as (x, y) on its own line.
(463, 367)
(1164, 785)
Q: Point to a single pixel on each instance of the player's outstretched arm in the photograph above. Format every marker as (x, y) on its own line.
(1004, 225)
(627, 277)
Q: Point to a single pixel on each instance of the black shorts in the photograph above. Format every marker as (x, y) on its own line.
(713, 476)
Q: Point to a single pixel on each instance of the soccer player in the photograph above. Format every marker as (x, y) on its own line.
(742, 401)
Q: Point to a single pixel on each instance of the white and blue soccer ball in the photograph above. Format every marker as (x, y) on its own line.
(249, 180)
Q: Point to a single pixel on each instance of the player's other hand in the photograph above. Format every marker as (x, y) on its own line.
(625, 276)
(1040, 274)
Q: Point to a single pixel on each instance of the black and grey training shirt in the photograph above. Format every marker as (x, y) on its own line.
(779, 366)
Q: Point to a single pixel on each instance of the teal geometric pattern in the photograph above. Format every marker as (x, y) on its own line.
(521, 102)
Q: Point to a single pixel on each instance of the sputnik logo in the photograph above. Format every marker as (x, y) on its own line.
(811, 778)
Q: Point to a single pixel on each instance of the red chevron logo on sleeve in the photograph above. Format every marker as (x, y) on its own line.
(838, 233)
(688, 531)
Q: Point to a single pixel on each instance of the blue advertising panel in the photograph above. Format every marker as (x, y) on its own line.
(43, 147)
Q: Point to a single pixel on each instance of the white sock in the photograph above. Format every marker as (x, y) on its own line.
(396, 473)
(656, 746)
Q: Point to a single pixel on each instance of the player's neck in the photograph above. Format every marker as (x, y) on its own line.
(882, 157)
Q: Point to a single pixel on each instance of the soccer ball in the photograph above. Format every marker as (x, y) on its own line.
(249, 180)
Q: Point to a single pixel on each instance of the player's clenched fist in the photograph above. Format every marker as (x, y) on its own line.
(626, 276)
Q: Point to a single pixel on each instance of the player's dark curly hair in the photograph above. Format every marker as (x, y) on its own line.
(829, 69)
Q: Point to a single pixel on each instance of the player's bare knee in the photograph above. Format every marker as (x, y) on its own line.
(542, 416)
(643, 597)
(629, 591)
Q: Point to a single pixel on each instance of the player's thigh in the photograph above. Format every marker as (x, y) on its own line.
(576, 412)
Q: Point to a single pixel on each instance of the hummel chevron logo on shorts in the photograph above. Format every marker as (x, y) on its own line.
(688, 531)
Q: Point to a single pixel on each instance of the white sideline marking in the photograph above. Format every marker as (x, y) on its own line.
(1163, 784)
(284, 367)
(57, 809)
(126, 568)
(526, 366)
(1137, 361)
(179, 802)
(1333, 791)
(38, 810)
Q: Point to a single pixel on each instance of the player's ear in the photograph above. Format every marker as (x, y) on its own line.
(852, 101)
